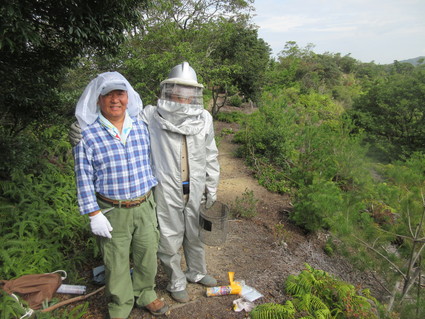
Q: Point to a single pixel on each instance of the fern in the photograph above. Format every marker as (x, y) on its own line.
(41, 227)
(273, 311)
(316, 294)
(10, 307)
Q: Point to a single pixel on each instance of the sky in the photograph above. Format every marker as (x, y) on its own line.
(379, 31)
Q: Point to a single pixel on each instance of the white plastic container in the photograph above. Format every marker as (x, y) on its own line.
(71, 289)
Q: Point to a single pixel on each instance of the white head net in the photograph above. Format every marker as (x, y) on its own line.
(87, 109)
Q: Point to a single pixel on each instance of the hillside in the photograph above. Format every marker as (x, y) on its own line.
(414, 61)
(262, 251)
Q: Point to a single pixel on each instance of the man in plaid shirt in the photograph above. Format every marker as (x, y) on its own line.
(114, 182)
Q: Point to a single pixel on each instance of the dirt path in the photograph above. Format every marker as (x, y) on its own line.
(262, 251)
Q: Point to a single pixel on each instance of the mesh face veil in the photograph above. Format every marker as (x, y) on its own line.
(183, 94)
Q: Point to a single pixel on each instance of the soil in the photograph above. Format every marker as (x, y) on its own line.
(263, 251)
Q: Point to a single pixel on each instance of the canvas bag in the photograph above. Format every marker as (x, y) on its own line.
(34, 289)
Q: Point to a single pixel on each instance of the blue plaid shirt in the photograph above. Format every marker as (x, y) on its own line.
(105, 165)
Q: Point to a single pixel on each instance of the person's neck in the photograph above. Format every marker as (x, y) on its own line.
(118, 123)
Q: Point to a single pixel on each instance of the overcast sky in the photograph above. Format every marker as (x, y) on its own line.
(369, 30)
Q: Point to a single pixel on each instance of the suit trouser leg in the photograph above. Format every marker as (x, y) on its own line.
(128, 226)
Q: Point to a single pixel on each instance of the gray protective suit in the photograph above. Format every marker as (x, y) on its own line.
(179, 220)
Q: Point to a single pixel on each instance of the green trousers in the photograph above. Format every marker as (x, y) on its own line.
(135, 234)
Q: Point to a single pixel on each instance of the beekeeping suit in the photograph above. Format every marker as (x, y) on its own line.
(185, 163)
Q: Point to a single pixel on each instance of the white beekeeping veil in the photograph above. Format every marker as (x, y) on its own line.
(87, 109)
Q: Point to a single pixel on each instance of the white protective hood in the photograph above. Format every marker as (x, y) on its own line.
(87, 109)
(180, 118)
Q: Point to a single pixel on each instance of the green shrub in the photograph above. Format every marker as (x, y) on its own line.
(235, 100)
(245, 206)
(230, 117)
(42, 230)
(317, 204)
(316, 294)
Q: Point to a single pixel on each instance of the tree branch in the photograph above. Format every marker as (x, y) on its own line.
(65, 302)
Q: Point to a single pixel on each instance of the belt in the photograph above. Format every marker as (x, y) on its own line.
(124, 203)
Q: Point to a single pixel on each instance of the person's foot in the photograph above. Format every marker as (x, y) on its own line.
(208, 281)
(157, 307)
(180, 296)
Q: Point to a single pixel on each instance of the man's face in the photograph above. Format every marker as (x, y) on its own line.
(180, 93)
(113, 105)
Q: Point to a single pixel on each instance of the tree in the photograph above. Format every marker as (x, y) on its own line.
(215, 37)
(38, 39)
(192, 14)
(241, 46)
(392, 113)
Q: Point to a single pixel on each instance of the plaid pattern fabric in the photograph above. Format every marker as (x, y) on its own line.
(104, 165)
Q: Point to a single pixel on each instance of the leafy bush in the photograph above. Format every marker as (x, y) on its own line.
(245, 206)
(309, 152)
(42, 230)
(230, 117)
(392, 114)
(316, 294)
(235, 100)
(317, 204)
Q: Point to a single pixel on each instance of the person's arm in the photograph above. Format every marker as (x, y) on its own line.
(99, 224)
(84, 174)
(212, 164)
(146, 113)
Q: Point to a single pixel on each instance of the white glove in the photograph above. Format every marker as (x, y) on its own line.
(211, 198)
(74, 134)
(100, 225)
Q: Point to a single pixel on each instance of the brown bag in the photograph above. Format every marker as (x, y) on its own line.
(34, 288)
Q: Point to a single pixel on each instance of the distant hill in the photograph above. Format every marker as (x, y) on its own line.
(414, 61)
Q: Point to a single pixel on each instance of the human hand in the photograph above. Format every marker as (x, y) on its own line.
(74, 133)
(100, 225)
(211, 198)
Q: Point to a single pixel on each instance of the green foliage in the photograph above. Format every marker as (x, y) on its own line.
(74, 312)
(10, 307)
(294, 140)
(245, 206)
(414, 309)
(235, 100)
(391, 112)
(317, 204)
(316, 294)
(41, 228)
(39, 39)
(328, 249)
(230, 117)
(216, 38)
(273, 311)
(15, 308)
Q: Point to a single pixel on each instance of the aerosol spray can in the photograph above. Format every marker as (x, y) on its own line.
(233, 289)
